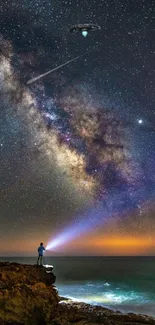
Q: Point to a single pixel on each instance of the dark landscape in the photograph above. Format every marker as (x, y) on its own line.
(28, 296)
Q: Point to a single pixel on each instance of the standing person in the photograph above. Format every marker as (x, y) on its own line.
(41, 250)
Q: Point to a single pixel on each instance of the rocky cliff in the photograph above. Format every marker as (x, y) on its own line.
(28, 297)
(27, 294)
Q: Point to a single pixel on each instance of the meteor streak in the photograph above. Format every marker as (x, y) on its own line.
(29, 82)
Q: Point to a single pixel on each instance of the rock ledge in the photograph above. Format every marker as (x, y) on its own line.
(28, 297)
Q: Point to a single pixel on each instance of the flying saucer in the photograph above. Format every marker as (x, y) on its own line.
(84, 28)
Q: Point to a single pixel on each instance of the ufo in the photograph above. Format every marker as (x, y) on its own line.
(84, 28)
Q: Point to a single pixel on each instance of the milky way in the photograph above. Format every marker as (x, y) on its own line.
(62, 137)
(87, 143)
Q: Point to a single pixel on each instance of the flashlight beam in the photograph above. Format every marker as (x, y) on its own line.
(29, 82)
(113, 204)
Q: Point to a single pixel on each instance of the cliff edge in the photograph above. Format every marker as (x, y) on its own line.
(27, 294)
(28, 297)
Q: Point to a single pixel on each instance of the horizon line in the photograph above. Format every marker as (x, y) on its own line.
(34, 256)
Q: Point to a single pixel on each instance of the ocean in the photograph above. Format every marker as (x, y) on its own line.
(126, 284)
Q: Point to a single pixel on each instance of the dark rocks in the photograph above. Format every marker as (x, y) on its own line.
(28, 297)
(71, 312)
(27, 294)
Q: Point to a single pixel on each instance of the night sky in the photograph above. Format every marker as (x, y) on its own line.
(77, 148)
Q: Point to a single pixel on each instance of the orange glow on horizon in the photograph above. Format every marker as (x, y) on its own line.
(90, 245)
(112, 245)
(123, 242)
(125, 245)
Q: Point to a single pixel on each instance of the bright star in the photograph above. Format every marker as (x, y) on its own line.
(140, 121)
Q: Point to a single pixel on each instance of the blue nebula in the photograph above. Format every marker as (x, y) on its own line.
(84, 33)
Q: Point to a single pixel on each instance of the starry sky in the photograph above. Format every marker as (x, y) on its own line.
(77, 148)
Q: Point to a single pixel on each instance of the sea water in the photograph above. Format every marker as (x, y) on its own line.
(126, 284)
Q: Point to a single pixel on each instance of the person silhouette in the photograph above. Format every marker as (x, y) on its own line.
(41, 250)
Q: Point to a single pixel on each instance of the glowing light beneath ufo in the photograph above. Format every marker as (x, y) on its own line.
(84, 33)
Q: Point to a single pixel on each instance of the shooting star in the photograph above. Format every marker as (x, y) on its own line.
(29, 82)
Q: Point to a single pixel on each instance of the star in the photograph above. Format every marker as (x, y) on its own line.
(140, 121)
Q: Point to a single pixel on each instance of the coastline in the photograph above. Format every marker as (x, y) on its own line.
(94, 315)
(81, 304)
(124, 309)
(28, 296)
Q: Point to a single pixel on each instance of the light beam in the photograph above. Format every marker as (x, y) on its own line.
(78, 228)
(114, 204)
